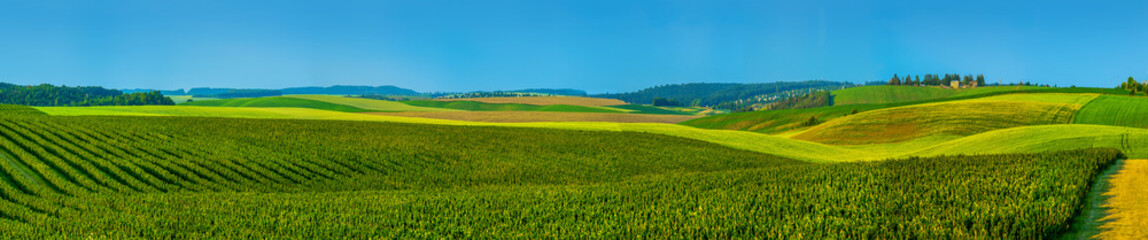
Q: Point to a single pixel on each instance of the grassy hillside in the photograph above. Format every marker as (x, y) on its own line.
(887, 94)
(275, 102)
(369, 104)
(960, 118)
(1115, 110)
(541, 101)
(894, 94)
(230, 178)
(1131, 141)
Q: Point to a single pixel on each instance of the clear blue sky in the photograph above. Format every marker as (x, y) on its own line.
(599, 46)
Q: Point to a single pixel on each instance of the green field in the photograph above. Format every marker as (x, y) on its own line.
(1115, 110)
(275, 102)
(887, 94)
(191, 177)
(1133, 142)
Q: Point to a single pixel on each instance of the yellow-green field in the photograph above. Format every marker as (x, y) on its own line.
(961, 118)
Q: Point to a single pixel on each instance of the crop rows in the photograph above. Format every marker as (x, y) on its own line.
(187, 178)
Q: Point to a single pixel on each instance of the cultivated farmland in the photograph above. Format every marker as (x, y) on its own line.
(188, 177)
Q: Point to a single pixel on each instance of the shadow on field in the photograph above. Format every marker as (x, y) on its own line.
(1087, 224)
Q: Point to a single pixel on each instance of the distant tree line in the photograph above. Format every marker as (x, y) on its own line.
(938, 80)
(49, 95)
(1134, 87)
(491, 94)
(663, 102)
(725, 95)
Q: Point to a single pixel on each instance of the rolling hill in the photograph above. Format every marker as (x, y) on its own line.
(1115, 110)
(778, 121)
(960, 118)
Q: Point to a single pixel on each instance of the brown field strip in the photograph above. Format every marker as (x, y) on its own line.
(542, 101)
(1128, 203)
(529, 116)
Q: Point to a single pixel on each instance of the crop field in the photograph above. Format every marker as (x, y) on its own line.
(269, 102)
(542, 101)
(938, 119)
(188, 177)
(536, 116)
(1115, 110)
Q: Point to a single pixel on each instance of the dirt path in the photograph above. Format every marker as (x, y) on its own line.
(1127, 214)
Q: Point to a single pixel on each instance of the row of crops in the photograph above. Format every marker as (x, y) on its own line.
(174, 177)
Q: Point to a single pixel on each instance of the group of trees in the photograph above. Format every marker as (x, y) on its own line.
(1134, 87)
(810, 100)
(49, 95)
(937, 80)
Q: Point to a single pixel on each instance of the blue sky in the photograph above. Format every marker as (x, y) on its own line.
(598, 46)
